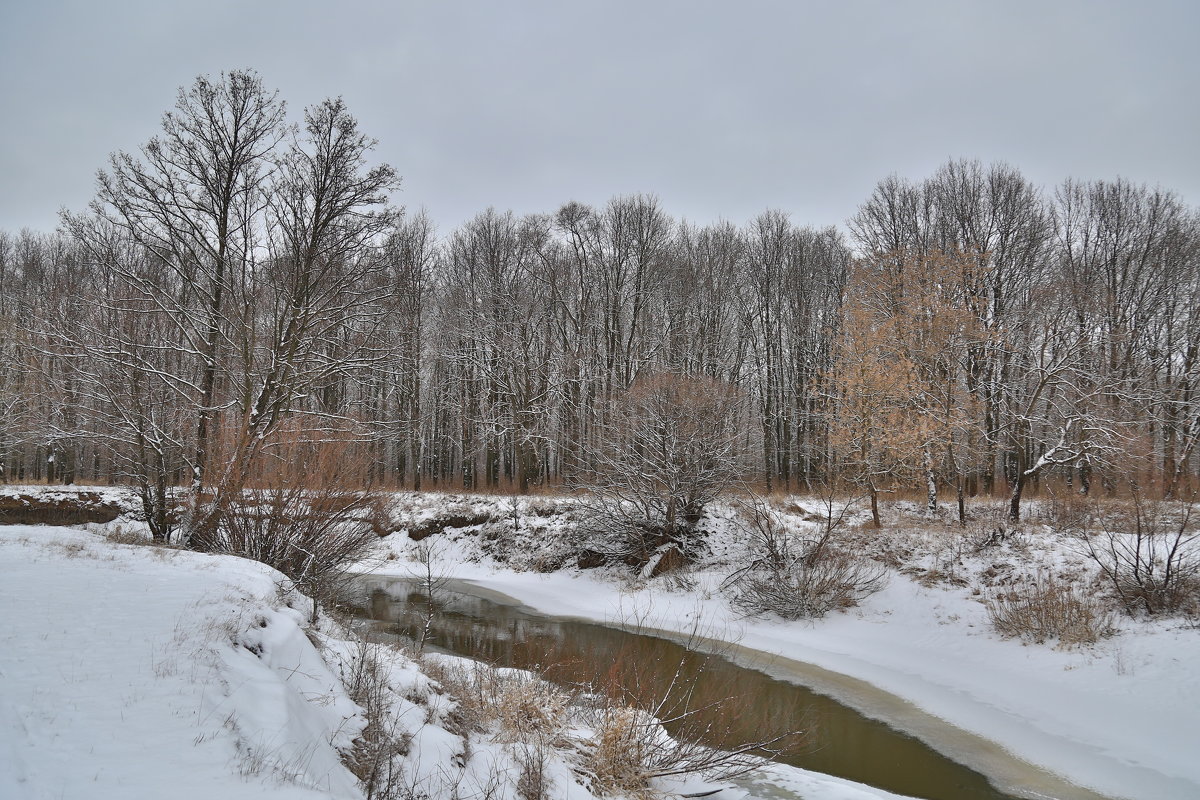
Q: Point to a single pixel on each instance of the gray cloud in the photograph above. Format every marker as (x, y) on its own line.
(722, 109)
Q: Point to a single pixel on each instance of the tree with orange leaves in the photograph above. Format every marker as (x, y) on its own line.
(903, 408)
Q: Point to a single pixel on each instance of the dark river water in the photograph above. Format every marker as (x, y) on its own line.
(727, 704)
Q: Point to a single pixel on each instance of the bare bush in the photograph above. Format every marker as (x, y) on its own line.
(1049, 609)
(432, 583)
(532, 781)
(307, 518)
(798, 576)
(1149, 550)
(805, 590)
(667, 448)
(991, 527)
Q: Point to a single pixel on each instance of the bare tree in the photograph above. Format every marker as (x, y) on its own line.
(397, 386)
(498, 317)
(328, 213)
(17, 417)
(130, 369)
(1065, 418)
(194, 200)
(238, 272)
(240, 280)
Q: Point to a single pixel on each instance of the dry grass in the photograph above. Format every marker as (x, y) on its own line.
(374, 759)
(1048, 609)
(73, 549)
(513, 705)
(619, 756)
(127, 534)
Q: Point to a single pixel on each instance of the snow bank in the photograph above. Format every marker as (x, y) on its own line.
(132, 672)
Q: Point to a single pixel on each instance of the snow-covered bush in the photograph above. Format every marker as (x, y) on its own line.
(373, 759)
(308, 535)
(809, 590)
(800, 574)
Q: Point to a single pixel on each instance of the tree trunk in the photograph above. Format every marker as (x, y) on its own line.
(1014, 503)
(962, 505)
(930, 486)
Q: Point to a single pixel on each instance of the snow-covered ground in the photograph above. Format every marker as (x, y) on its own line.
(128, 672)
(1121, 717)
(131, 671)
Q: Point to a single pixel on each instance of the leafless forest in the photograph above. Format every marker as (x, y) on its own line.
(242, 292)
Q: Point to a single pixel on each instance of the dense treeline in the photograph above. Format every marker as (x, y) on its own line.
(239, 283)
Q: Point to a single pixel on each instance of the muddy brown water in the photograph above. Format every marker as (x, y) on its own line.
(839, 740)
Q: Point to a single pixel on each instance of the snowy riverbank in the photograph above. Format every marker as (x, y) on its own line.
(1118, 717)
(131, 671)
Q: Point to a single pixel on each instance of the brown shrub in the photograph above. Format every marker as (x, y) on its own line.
(1048, 609)
(618, 760)
(307, 516)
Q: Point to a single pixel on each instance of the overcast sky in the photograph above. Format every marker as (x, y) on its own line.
(721, 109)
